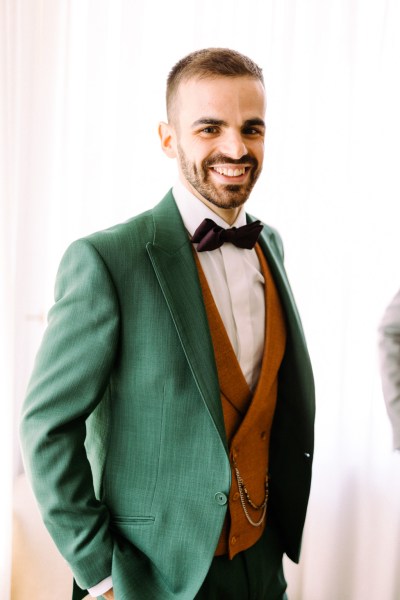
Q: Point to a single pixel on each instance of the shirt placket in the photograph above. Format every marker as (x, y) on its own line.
(237, 283)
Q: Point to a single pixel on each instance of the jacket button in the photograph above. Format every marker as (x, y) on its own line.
(263, 435)
(220, 498)
(307, 455)
(236, 496)
(233, 540)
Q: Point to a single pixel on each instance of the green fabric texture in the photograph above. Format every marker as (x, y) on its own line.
(122, 428)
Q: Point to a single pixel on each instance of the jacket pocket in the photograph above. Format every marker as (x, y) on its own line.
(133, 520)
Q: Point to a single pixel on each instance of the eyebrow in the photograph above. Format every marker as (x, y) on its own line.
(222, 123)
(252, 122)
(209, 121)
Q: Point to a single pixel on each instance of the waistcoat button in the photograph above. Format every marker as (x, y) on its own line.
(220, 498)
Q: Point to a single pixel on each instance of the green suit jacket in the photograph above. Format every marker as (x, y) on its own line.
(122, 429)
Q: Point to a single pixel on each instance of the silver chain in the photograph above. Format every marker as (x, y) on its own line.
(243, 491)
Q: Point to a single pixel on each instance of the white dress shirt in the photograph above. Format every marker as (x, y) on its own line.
(237, 285)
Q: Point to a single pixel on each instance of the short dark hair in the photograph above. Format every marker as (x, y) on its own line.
(210, 62)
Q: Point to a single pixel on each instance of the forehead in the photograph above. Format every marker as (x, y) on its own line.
(230, 98)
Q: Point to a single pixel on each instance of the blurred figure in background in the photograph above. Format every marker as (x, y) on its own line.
(389, 354)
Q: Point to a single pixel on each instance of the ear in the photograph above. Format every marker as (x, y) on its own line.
(167, 137)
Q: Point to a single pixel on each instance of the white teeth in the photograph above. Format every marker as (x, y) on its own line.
(230, 172)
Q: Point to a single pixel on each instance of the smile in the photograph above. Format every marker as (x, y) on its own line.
(227, 172)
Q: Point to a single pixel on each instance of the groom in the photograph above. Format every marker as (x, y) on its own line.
(168, 425)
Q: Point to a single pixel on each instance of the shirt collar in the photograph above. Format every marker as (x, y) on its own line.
(193, 211)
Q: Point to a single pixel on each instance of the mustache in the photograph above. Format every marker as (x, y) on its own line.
(221, 158)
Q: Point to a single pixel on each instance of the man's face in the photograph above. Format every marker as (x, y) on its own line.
(217, 134)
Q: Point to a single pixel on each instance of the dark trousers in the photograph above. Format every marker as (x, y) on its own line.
(255, 574)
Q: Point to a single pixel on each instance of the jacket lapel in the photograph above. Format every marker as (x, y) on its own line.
(299, 357)
(171, 255)
(273, 253)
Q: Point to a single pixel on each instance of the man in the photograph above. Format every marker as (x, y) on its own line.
(389, 347)
(168, 426)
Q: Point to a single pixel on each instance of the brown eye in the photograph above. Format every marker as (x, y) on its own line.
(210, 129)
(252, 131)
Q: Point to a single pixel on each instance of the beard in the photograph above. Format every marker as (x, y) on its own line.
(223, 195)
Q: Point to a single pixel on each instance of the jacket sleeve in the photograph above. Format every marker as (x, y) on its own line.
(389, 354)
(69, 380)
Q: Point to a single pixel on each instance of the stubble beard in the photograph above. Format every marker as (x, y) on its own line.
(226, 196)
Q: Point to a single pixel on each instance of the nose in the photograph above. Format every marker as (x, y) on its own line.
(233, 145)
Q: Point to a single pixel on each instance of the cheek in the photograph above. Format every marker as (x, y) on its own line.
(258, 153)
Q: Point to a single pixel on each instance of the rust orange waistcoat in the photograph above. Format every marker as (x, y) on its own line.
(247, 418)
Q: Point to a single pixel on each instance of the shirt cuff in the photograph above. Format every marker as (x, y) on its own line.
(100, 588)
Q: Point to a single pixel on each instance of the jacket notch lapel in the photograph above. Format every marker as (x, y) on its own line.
(171, 257)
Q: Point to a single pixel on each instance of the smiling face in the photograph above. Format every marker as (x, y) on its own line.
(217, 134)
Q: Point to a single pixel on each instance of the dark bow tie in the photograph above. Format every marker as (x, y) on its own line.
(210, 236)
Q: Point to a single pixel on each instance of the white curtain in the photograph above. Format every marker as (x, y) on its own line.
(81, 93)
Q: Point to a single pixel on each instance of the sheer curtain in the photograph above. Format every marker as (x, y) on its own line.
(81, 93)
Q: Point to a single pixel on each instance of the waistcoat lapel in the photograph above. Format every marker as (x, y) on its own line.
(274, 344)
(232, 382)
